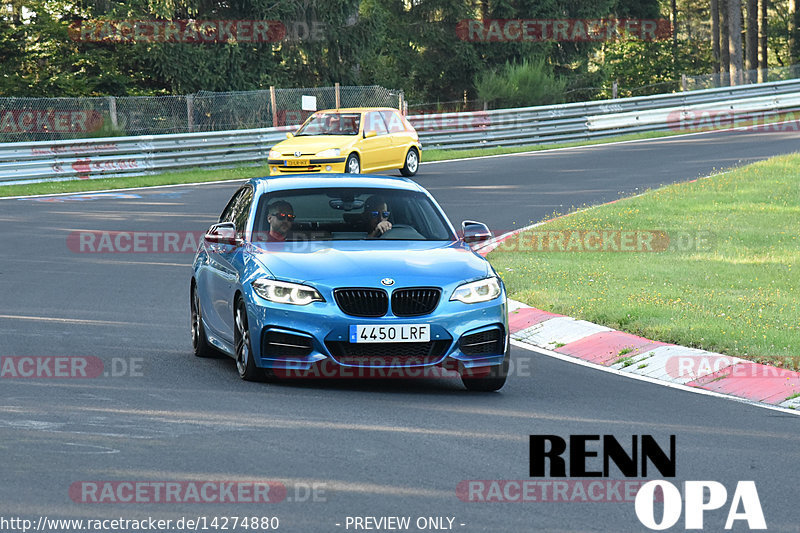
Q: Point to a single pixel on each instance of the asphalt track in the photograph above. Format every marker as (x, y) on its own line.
(375, 448)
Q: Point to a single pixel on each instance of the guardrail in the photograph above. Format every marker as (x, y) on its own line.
(130, 156)
(591, 120)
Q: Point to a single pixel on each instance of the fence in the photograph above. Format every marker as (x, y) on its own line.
(125, 156)
(40, 119)
(708, 81)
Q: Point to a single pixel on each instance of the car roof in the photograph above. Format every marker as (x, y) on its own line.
(355, 109)
(317, 181)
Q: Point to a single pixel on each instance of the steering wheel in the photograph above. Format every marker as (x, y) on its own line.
(400, 229)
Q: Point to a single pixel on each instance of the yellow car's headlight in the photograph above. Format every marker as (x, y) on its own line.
(330, 152)
(274, 154)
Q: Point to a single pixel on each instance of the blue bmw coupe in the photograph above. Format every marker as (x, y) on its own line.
(348, 271)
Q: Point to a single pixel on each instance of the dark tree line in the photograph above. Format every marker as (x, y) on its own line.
(412, 45)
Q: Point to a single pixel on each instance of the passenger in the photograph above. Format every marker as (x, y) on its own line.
(376, 216)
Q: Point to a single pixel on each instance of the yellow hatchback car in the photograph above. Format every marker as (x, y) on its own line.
(351, 140)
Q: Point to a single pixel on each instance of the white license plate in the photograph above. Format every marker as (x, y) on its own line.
(391, 333)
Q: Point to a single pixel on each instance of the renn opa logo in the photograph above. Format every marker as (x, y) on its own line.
(547, 458)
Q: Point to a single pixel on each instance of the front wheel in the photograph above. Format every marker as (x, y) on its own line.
(353, 165)
(491, 381)
(245, 364)
(412, 163)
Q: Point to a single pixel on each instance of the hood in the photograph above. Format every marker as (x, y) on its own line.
(314, 143)
(366, 263)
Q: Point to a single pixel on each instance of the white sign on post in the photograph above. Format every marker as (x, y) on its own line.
(309, 103)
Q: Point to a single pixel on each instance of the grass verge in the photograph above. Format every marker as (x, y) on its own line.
(167, 178)
(727, 278)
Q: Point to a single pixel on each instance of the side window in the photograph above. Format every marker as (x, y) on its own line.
(393, 121)
(242, 210)
(227, 213)
(375, 123)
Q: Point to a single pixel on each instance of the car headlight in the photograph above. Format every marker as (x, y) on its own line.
(274, 154)
(283, 292)
(330, 152)
(474, 292)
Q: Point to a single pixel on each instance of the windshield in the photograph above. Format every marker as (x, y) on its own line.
(349, 214)
(331, 124)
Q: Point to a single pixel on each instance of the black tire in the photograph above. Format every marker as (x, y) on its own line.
(245, 363)
(200, 344)
(353, 164)
(493, 381)
(412, 163)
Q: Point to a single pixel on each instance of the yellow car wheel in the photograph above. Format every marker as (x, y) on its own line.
(353, 165)
(412, 163)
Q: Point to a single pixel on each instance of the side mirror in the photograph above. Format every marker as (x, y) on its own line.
(475, 232)
(371, 133)
(289, 134)
(222, 233)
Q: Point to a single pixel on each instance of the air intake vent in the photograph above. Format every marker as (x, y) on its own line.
(282, 344)
(483, 343)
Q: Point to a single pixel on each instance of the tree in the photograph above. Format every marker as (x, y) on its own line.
(715, 35)
(724, 41)
(751, 38)
(735, 40)
(794, 31)
(763, 29)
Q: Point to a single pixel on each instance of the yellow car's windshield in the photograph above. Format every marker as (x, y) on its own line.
(331, 124)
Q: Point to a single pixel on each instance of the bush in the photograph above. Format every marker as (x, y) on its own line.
(525, 84)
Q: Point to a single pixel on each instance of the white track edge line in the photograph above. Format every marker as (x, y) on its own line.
(144, 187)
(648, 379)
(677, 136)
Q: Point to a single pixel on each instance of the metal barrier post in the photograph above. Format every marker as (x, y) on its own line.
(274, 107)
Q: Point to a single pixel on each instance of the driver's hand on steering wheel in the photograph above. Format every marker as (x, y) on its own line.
(382, 227)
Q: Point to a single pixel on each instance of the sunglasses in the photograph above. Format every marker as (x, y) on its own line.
(283, 216)
(384, 214)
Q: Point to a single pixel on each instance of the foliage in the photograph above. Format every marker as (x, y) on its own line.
(411, 45)
(528, 83)
(643, 68)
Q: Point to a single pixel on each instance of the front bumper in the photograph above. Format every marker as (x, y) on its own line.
(300, 337)
(329, 165)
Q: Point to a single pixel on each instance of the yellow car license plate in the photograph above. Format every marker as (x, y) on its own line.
(297, 162)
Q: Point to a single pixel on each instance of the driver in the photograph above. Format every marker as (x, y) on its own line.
(376, 216)
(280, 216)
(333, 125)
